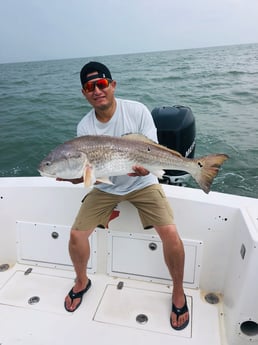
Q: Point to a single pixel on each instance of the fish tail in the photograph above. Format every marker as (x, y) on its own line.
(207, 169)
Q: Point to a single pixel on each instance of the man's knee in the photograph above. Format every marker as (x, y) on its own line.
(167, 231)
(77, 235)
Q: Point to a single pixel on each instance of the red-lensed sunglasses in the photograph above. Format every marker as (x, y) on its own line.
(101, 84)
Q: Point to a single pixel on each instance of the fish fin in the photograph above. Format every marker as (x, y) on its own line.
(104, 180)
(207, 169)
(143, 138)
(158, 173)
(138, 136)
(89, 176)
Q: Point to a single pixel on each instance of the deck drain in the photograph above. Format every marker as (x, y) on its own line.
(249, 328)
(212, 298)
(4, 267)
(142, 319)
(34, 300)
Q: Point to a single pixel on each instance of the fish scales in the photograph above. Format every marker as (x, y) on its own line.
(97, 157)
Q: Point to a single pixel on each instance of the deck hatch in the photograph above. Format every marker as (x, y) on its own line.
(46, 245)
(36, 291)
(139, 308)
(141, 256)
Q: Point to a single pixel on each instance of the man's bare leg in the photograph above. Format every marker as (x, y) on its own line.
(79, 250)
(174, 257)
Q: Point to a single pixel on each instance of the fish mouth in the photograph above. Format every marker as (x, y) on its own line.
(42, 173)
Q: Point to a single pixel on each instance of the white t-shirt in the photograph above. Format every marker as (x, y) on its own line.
(129, 117)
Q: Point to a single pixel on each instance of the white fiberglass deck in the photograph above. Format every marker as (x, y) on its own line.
(107, 315)
(220, 236)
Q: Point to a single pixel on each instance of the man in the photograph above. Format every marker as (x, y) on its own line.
(116, 117)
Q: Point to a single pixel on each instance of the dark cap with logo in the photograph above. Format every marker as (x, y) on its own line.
(101, 71)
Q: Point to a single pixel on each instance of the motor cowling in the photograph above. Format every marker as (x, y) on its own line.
(176, 130)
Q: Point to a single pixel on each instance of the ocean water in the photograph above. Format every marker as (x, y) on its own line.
(41, 104)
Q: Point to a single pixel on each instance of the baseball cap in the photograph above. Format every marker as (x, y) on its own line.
(93, 66)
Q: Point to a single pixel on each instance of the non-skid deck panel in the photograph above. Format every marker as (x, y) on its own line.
(123, 307)
(106, 315)
(50, 291)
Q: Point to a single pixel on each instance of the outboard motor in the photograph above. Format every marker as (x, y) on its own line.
(176, 130)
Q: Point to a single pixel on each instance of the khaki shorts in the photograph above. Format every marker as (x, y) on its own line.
(151, 203)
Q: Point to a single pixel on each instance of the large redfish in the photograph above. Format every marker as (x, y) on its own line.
(98, 157)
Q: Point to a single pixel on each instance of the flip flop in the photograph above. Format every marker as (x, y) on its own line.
(179, 312)
(74, 295)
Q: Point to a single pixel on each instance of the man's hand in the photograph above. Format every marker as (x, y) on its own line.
(73, 181)
(139, 171)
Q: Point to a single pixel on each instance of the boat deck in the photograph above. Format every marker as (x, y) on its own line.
(220, 237)
(107, 314)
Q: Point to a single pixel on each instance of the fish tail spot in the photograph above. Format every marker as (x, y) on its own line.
(209, 168)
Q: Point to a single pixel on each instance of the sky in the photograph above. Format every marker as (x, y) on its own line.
(32, 30)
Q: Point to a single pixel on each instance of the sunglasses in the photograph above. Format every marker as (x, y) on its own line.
(101, 84)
